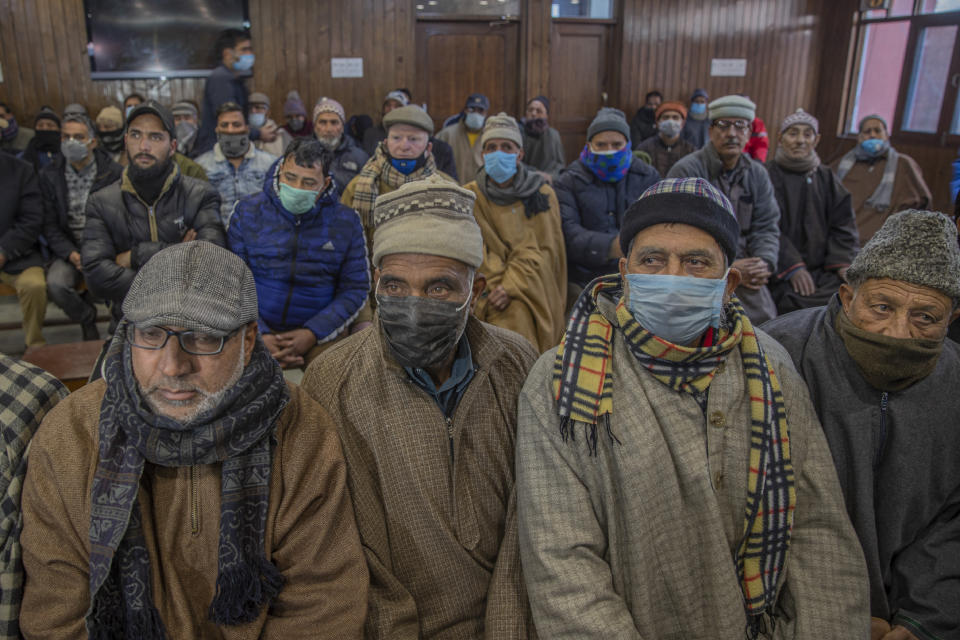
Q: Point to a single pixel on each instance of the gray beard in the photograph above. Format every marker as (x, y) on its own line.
(330, 143)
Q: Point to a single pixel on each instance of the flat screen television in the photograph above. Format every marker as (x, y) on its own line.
(157, 38)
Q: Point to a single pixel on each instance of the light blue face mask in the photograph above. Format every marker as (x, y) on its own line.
(698, 108)
(500, 165)
(474, 121)
(244, 62)
(257, 119)
(676, 308)
(297, 201)
(874, 146)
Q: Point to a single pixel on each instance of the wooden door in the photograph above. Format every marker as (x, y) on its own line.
(579, 82)
(457, 58)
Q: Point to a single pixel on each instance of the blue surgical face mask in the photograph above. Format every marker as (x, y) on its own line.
(676, 308)
(406, 166)
(297, 201)
(244, 62)
(698, 108)
(474, 121)
(500, 165)
(875, 146)
(257, 119)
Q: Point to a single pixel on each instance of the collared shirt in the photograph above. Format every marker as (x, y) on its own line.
(79, 184)
(450, 392)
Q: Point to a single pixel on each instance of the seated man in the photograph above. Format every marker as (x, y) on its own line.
(13, 137)
(329, 119)
(657, 494)
(191, 490)
(65, 185)
(298, 125)
(644, 122)
(21, 223)
(44, 146)
(818, 233)
(27, 393)
(151, 207)
(234, 166)
(746, 184)
(880, 180)
(524, 258)
(594, 192)
(696, 130)
(667, 146)
(307, 254)
(542, 146)
(426, 402)
(884, 382)
(273, 139)
(109, 124)
(186, 119)
(464, 137)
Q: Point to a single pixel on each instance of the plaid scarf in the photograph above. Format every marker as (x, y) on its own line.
(583, 389)
(368, 181)
(237, 433)
(881, 196)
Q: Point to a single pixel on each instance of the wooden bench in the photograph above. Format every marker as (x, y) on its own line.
(71, 363)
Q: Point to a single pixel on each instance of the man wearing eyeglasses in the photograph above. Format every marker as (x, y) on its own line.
(192, 492)
(746, 184)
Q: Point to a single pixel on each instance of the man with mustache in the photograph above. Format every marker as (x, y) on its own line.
(192, 492)
(151, 207)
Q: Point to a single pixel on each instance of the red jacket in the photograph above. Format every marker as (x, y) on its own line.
(759, 143)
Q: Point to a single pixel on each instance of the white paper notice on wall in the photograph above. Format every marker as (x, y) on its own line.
(346, 67)
(728, 67)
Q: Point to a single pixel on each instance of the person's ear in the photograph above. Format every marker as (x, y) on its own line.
(249, 340)
(846, 297)
(479, 284)
(733, 281)
(816, 141)
(954, 316)
(622, 265)
(326, 185)
(519, 156)
(428, 150)
(173, 146)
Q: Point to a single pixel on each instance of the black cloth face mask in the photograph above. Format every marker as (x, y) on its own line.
(421, 332)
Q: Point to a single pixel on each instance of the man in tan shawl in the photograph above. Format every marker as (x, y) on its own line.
(524, 257)
(880, 180)
(464, 136)
(426, 403)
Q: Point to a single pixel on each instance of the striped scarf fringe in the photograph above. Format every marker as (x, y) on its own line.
(583, 390)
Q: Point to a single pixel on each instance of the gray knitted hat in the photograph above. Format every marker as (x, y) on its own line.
(195, 285)
(609, 119)
(432, 216)
(501, 126)
(919, 247)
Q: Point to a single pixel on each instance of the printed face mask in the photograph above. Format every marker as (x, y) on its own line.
(233, 145)
(185, 132)
(608, 166)
(875, 146)
(676, 308)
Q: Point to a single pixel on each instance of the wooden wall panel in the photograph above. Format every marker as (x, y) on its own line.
(668, 45)
(43, 53)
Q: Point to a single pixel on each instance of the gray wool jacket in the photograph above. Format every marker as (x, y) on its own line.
(898, 458)
(751, 195)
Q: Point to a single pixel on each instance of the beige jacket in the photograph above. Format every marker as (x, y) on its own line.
(467, 158)
(311, 535)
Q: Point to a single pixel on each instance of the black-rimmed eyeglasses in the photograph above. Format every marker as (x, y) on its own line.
(197, 343)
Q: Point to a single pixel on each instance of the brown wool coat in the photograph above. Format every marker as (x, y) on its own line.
(440, 537)
(528, 257)
(311, 535)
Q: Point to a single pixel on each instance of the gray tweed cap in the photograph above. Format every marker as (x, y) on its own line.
(919, 247)
(195, 285)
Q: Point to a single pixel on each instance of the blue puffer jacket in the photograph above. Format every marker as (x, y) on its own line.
(591, 211)
(310, 270)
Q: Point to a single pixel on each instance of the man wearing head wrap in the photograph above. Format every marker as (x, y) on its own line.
(329, 120)
(884, 382)
(594, 192)
(464, 136)
(151, 207)
(881, 180)
(818, 233)
(667, 146)
(746, 185)
(542, 146)
(673, 480)
(44, 146)
(426, 405)
(524, 257)
(192, 491)
(13, 137)
(696, 130)
(66, 184)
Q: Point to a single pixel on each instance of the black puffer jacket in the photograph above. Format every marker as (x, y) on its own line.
(118, 221)
(53, 188)
(21, 215)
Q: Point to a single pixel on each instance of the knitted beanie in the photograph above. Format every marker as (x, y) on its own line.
(542, 100)
(733, 106)
(294, 105)
(919, 247)
(46, 113)
(501, 126)
(195, 285)
(671, 106)
(432, 216)
(329, 105)
(412, 115)
(692, 201)
(800, 117)
(609, 119)
(110, 115)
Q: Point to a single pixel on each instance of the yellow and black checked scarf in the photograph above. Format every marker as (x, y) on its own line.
(583, 389)
(368, 183)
